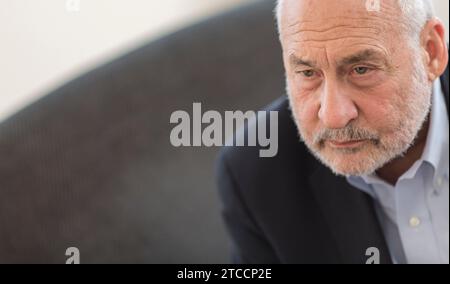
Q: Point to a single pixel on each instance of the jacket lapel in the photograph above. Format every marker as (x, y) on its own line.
(350, 215)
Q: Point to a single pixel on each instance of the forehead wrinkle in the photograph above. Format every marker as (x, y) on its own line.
(375, 25)
(362, 29)
(335, 39)
(312, 12)
(327, 57)
(330, 29)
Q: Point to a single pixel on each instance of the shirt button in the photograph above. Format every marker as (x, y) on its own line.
(414, 222)
(439, 182)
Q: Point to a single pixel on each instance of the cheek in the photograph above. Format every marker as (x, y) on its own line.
(306, 111)
(380, 108)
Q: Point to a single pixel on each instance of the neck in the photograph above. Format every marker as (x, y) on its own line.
(392, 171)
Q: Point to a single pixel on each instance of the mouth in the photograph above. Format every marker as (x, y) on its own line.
(346, 144)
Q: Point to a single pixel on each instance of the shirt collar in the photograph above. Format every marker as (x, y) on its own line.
(436, 148)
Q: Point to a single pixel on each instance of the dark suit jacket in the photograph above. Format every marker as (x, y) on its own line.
(291, 208)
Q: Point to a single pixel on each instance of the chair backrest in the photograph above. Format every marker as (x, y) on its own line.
(91, 164)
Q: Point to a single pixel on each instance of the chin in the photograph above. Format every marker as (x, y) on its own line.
(351, 170)
(350, 163)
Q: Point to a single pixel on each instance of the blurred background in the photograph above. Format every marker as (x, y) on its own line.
(87, 88)
(47, 42)
(87, 161)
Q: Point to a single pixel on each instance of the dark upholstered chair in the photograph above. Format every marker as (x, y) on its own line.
(90, 165)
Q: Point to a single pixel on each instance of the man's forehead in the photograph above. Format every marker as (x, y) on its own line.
(338, 26)
(313, 14)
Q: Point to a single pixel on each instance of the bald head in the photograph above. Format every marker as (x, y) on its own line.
(413, 13)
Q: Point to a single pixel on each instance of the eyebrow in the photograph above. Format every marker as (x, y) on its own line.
(297, 61)
(361, 56)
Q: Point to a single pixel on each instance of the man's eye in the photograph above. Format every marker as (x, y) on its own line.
(361, 70)
(307, 73)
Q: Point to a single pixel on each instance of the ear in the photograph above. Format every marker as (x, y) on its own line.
(435, 47)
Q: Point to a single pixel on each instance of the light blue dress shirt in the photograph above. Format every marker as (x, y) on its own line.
(414, 215)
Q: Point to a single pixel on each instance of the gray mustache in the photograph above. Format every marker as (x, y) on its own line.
(348, 133)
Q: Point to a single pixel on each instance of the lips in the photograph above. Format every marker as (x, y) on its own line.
(346, 144)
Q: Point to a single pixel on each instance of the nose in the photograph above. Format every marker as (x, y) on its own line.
(337, 109)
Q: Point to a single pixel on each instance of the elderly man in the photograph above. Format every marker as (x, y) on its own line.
(368, 182)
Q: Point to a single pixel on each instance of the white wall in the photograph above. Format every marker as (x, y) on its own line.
(45, 42)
